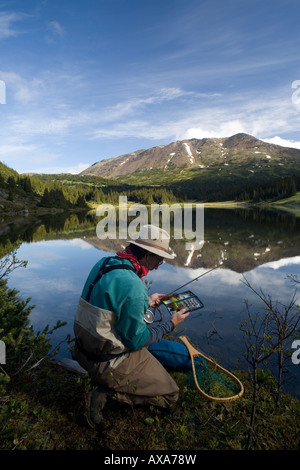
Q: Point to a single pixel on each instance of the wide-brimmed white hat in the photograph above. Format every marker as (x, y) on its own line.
(154, 239)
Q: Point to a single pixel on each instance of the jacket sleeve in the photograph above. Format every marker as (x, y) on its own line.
(156, 332)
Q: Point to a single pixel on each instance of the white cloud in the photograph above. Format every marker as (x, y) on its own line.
(282, 262)
(57, 169)
(55, 28)
(260, 117)
(148, 116)
(22, 90)
(43, 123)
(83, 245)
(78, 168)
(283, 142)
(7, 20)
(54, 31)
(26, 157)
(193, 115)
(13, 150)
(159, 96)
(225, 129)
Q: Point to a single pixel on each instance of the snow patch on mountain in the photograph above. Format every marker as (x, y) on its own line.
(187, 147)
(168, 161)
(122, 163)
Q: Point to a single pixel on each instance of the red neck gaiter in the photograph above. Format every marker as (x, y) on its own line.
(127, 254)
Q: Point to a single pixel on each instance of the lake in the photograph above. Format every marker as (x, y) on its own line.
(260, 246)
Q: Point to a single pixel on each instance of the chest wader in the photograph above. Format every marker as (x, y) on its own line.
(136, 377)
(95, 335)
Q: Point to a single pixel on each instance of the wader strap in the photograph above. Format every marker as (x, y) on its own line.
(104, 270)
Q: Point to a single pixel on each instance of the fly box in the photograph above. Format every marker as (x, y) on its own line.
(186, 300)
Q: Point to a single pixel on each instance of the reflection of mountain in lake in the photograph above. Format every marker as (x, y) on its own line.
(239, 238)
(242, 239)
(248, 238)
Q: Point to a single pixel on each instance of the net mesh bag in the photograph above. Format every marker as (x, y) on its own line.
(212, 381)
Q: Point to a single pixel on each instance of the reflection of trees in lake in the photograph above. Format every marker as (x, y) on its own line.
(241, 238)
(261, 219)
(48, 227)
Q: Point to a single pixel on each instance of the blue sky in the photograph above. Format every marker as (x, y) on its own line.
(82, 81)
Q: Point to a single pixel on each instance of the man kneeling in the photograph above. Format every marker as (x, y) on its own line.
(111, 335)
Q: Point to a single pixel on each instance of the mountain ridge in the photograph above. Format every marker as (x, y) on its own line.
(196, 154)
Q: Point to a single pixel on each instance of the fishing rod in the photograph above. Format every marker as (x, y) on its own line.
(149, 315)
(195, 279)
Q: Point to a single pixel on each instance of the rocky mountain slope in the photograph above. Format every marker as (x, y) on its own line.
(199, 154)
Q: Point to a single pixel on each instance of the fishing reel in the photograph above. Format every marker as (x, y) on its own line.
(149, 316)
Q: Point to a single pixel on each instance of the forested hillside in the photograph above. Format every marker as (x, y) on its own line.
(234, 169)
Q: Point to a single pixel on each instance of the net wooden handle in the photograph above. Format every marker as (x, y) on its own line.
(188, 345)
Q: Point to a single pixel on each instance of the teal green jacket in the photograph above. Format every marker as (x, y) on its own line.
(123, 293)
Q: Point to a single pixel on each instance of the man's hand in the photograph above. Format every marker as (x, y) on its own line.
(180, 316)
(155, 300)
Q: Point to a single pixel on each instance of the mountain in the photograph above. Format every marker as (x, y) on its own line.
(201, 154)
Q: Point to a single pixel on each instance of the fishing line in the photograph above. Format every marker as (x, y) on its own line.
(195, 279)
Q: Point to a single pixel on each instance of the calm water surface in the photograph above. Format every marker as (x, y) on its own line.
(263, 248)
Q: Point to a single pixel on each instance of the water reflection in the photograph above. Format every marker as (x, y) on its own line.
(263, 247)
(242, 238)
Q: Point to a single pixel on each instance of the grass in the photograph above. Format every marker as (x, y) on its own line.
(45, 410)
(291, 204)
(225, 205)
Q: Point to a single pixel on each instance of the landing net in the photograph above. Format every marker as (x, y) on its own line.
(213, 381)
